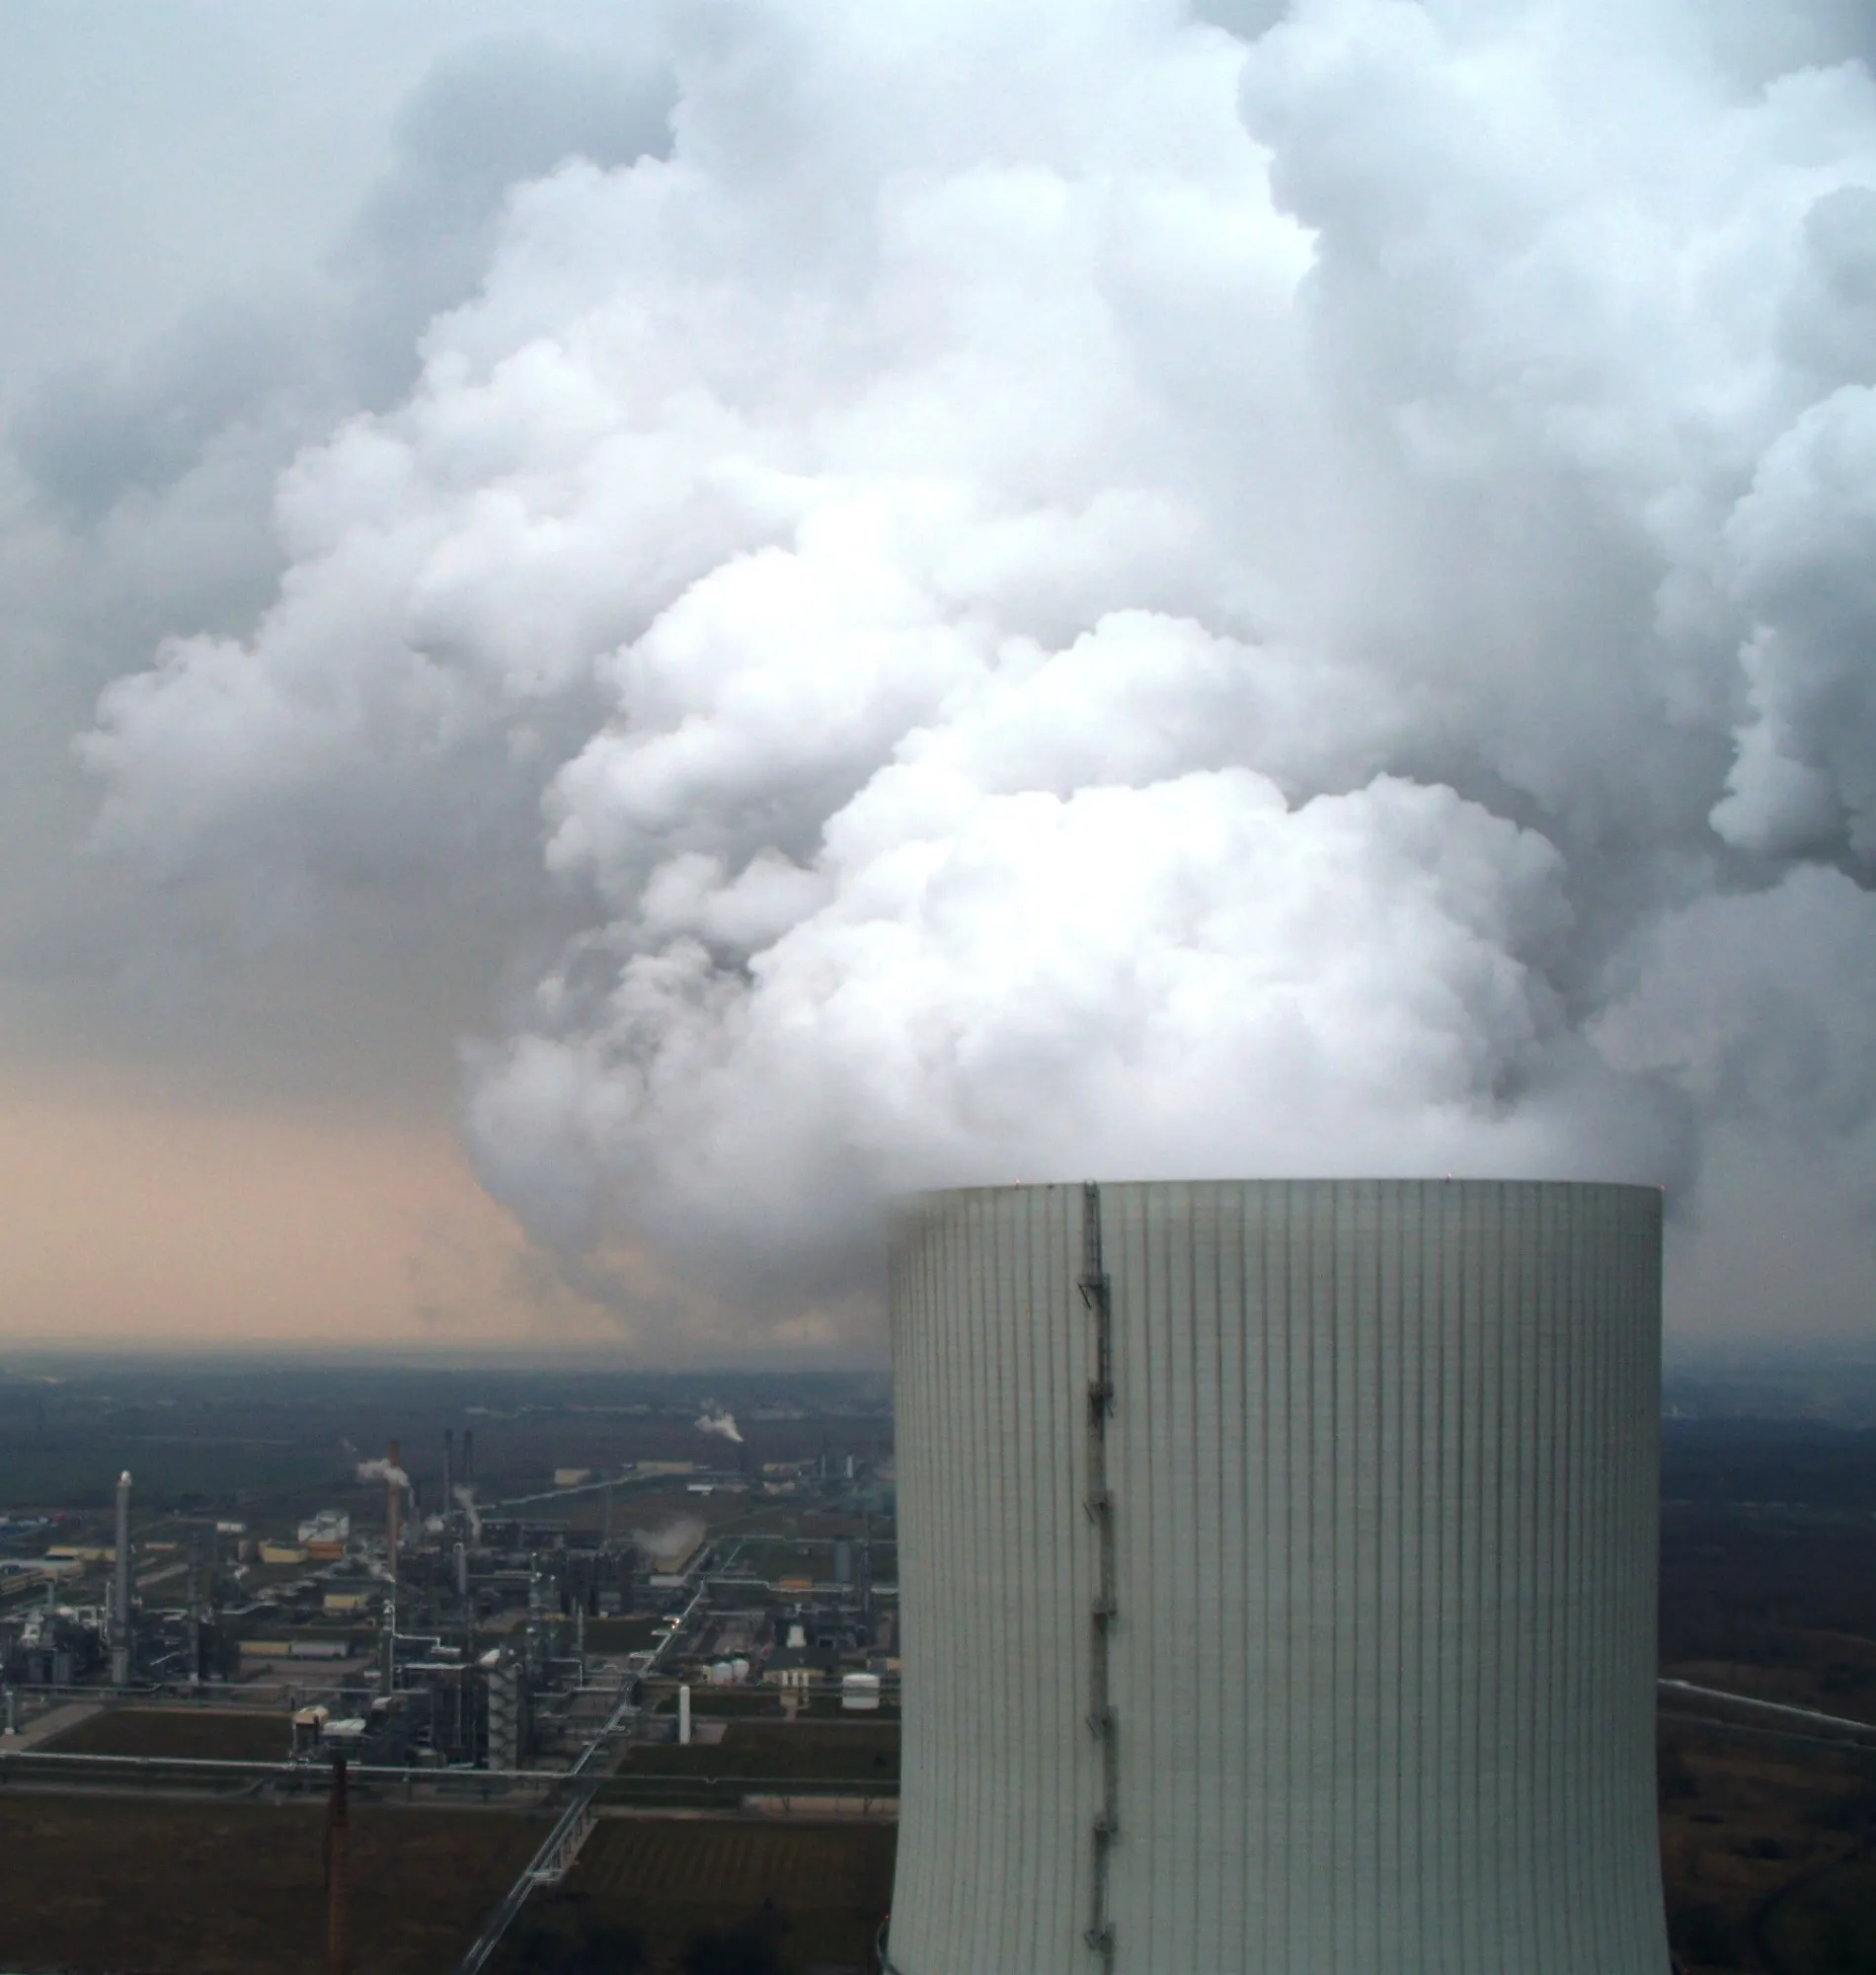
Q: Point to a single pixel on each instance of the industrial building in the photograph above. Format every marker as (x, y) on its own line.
(1279, 1570)
(453, 1639)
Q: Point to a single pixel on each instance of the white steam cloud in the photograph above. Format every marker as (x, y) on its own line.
(466, 1501)
(667, 1543)
(720, 1421)
(385, 1470)
(1068, 589)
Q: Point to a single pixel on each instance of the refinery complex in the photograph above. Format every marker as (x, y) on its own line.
(451, 1635)
(531, 1637)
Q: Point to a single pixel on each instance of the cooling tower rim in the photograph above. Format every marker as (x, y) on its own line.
(1372, 1183)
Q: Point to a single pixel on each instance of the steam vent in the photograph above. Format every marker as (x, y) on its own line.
(1279, 1570)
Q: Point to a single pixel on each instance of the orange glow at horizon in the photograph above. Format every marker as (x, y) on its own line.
(141, 1221)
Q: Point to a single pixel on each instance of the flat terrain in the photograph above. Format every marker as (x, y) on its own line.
(1826, 1920)
(1767, 1855)
(813, 1895)
(90, 1884)
(620, 1635)
(223, 1734)
(1768, 1588)
(763, 1757)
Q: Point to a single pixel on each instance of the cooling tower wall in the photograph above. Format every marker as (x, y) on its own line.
(1364, 1594)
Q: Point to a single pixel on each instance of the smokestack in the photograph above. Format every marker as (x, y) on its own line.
(337, 1889)
(393, 1502)
(450, 1470)
(195, 1607)
(120, 1617)
(683, 1714)
(462, 1571)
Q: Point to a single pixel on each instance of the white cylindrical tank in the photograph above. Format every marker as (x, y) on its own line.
(1278, 1565)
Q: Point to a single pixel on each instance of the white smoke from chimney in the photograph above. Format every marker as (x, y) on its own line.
(720, 1421)
(385, 1470)
(466, 1500)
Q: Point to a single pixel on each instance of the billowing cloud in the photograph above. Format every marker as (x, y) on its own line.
(720, 1421)
(1078, 590)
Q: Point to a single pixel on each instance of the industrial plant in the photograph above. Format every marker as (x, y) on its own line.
(535, 1643)
(1279, 1565)
(453, 1633)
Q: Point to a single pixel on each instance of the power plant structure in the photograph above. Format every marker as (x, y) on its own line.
(394, 1486)
(122, 1618)
(1279, 1570)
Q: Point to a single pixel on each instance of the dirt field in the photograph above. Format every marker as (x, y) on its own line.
(120, 1886)
(247, 1735)
(758, 1755)
(1768, 1589)
(620, 1635)
(816, 1893)
(1828, 1921)
(1766, 1856)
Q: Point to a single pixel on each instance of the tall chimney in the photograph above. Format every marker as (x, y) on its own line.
(387, 1645)
(462, 1571)
(121, 1616)
(393, 1501)
(338, 1888)
(450, 1471)
(194, 1606)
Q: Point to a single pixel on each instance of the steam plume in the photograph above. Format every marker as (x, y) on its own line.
(1067, 590)
(669, 1537)
(384, 1471)
(720, 1421)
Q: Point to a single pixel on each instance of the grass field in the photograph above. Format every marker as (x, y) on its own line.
(1826, 1922)
(1763, 1850)
(740, 1701)
(248, 1735)
(817, 1892)
(759, 1756)
(1767, 1856)
(630, 1634)
(90, 1884)
(51, 1473)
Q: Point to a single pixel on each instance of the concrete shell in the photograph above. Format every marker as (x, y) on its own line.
(1383, 1467)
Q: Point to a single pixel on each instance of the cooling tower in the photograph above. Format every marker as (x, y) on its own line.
(1278, 1562)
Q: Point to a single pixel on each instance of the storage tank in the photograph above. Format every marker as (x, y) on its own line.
(1278, 1562)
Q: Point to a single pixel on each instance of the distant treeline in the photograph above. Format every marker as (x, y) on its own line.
(1745, 1460)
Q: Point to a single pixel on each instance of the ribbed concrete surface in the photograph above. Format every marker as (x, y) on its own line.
(1383, 1458)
